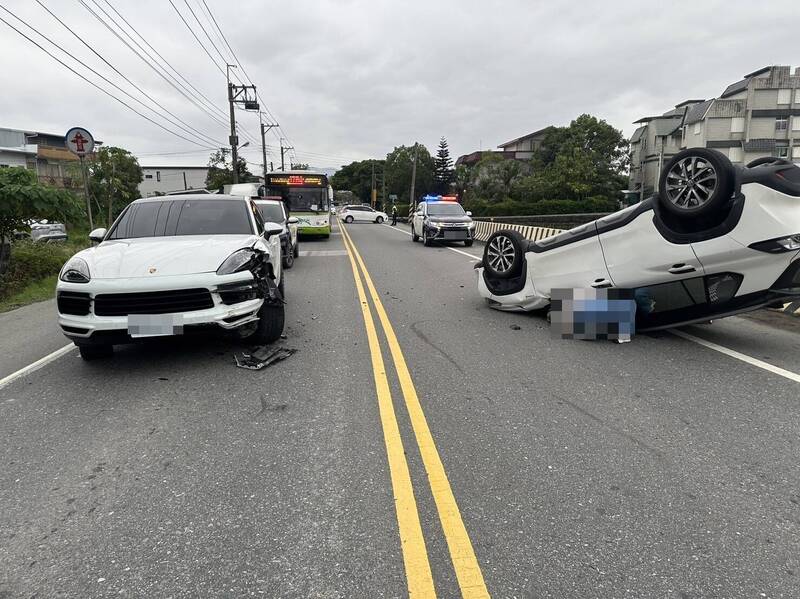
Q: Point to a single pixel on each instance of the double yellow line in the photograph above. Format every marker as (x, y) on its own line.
(412, 540)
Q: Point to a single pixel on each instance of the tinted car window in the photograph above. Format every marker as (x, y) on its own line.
(138, 221)
(214, 217)
(271, 212)
(445, 209)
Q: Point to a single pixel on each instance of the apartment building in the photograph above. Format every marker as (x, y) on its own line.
(756, 116)
(158, 180)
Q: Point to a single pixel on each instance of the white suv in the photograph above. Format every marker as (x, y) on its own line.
(350, 214)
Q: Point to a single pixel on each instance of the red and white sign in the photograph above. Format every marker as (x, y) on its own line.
(79, 141)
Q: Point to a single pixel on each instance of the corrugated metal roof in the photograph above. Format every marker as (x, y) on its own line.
(735, 88)
(666, 126)
(637, 135)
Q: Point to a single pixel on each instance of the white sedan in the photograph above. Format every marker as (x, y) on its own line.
(171, 262)
(362, 213)
(717, 240)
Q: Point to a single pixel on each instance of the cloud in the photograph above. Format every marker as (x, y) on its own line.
(352, 79)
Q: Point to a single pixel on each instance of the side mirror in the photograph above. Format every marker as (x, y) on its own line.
(469, 213)
(97, 235)
(271, 229)
(293, 220)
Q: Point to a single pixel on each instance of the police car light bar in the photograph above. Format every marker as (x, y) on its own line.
(448, 198)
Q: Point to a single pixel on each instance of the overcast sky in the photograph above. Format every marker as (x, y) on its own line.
(351, 79)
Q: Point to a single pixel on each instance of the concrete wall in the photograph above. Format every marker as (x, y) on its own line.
(13, 159)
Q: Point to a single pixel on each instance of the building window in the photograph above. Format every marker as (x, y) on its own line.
(781, 123)
(796, 152)
(784, 96)
(782, 152)
(737, 124)
(797, 96)
(796, 123)
(148, 176)
(158, 176)
(735, 154)
(698, 127)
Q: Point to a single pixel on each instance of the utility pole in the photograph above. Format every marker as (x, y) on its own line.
(264, 129)
(412, 199)
(238, 94)
(284, 149)
(372, 189)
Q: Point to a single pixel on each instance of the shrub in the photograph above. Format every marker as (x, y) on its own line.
(31, 262)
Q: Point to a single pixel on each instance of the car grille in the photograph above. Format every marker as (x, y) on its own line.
(153, 302)
(73, 302)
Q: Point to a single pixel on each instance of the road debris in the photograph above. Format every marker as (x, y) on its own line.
(262, 357)
(515, 327)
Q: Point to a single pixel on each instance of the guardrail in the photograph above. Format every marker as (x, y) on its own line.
(483, 229)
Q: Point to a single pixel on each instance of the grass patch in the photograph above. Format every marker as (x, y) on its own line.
(37, 291)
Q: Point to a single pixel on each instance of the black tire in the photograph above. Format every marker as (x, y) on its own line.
(288, 258)
(270, 324)
(379, 220)
(426, 239)
(296, 249)
(348, 219)
(96, 352)
(504, 254)
(696, 182)
(468, 243)
(414, 236)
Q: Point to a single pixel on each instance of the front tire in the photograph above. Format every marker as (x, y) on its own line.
(504, 254)
(428, 241)
(414, 236)
(696, 182)
(96, 352)
(379, 220)
(288, 259)
(270, 325)
(468, 243)
(348, 219)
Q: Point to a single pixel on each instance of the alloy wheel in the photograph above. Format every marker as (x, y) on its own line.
(500, 254)
(691, 183)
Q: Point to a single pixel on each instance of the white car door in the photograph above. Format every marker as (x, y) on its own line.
(637, 254)
(418, 217)
(367, 214)
(576, 264)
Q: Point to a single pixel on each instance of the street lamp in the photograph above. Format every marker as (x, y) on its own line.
(244, 145)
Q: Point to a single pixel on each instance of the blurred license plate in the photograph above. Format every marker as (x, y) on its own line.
(455, 234)
(155, 325)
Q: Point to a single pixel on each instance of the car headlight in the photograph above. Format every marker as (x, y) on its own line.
(471, 224)
(238, 261)
(790, 243)
(75, 271)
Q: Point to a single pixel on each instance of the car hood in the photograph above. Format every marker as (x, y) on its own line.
(450, 219)
(162, 256)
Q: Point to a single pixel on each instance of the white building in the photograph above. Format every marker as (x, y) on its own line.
(15, 149)
(165, 179)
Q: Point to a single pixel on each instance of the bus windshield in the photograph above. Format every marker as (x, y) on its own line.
(301, 199)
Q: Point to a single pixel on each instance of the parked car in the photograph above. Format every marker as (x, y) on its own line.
(275, 211)
(350, 214)
(717, 240)
(172, 263)
(43, 231)
(437, 220)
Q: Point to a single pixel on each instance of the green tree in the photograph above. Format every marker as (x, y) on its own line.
(114, 177)
(23, 198)
(220, 170)
(357, 178)
(443, 168)
(399, 165)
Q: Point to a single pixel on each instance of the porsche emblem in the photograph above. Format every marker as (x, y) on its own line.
(151, 270)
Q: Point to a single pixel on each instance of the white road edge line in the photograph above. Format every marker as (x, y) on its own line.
(792, 376)
(36, 365)
(467, 254)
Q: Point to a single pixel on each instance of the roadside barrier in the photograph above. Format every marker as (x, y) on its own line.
(483, 229)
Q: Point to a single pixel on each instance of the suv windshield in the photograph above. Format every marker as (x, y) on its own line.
(183, 217)
(271, 213)
(445, 210)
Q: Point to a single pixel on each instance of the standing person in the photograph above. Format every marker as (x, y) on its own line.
(394, 215)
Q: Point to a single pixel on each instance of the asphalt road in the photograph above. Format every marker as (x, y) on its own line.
(553, 468)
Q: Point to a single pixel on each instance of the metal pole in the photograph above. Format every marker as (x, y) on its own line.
(372, 188)
(234, 140)
(283, 168)
(264, 150)
(86, 193)
(412, 200)
(184, 181)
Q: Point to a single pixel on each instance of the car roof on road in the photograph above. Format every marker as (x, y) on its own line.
(191, 196)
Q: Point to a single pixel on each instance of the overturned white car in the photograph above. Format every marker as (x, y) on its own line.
(717, 240)
(172, 262)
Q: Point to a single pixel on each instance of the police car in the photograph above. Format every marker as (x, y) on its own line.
(442, 218)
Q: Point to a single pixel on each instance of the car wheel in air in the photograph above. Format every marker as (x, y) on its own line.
(696, 182)
(468, 243)
(379, 220)
(414, 236)
(348, 219)
(288, 258)
(504, 254)
(96, 352)
(426, 239)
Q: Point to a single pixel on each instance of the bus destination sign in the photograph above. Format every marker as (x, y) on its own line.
(299, 180)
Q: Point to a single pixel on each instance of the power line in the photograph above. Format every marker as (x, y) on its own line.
(92, 83)
(184, 126)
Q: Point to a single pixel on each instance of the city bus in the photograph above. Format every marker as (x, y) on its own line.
(307, 195)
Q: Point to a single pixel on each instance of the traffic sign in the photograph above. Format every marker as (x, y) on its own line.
(79, 141)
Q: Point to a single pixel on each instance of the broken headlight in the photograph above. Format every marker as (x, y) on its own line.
(790, 243)
(75, 271)
(238, 261)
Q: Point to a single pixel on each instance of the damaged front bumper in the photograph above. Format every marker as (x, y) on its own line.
(235, 300)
